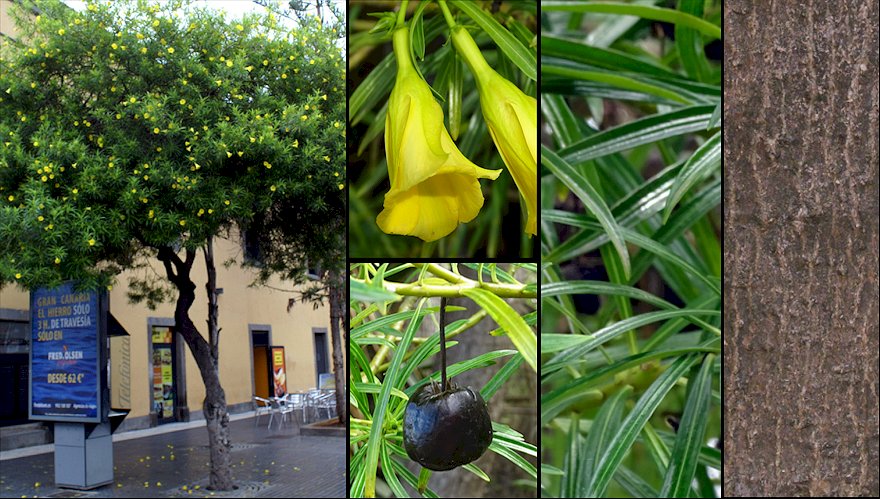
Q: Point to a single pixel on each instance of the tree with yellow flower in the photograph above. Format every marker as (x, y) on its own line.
(94, 180)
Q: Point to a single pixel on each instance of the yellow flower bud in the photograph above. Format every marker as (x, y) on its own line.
(434, 187)
(512, 119)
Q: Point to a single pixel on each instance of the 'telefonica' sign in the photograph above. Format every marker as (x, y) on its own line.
(65, 346)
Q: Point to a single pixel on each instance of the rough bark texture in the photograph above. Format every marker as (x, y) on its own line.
(801, 248)
(335, 283)
(205, 354)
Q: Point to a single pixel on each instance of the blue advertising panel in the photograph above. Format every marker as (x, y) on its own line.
(66, 335)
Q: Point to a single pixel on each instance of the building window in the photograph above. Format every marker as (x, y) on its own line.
(253, 255)
(13, 337)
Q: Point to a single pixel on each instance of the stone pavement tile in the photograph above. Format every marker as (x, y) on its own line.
(266, 463)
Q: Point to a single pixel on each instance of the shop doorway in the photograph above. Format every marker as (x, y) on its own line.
(322, 359)
(260, 348)
(14, 335)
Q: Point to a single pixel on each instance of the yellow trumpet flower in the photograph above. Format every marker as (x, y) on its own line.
(512, 119)
(434, 187)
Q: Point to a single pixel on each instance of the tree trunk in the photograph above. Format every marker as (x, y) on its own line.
(801, 248)
(214, 407)
(335, 283)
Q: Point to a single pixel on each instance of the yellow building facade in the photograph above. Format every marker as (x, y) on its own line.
(152, 359)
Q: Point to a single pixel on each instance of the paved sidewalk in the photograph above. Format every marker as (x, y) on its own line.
(266, 463)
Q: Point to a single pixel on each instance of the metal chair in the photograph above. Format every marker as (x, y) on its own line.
(327, 400)
(261, 406)
(281, 408)
(297, 402)
(312, 400)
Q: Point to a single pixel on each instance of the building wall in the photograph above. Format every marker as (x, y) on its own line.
(7, 24)
(240, 306)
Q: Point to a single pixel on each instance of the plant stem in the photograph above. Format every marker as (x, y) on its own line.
(448, 15)
(443, 344)
(401, 14)
(474, 319)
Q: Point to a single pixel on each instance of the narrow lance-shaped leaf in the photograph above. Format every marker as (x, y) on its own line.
(632, 425)
(644, 11)
(604, 426)
(691, 434)
(518, 53)
(572, 460)
(705, 161)
(580, 187)
(715, 120)
(639, 132)
(518, 331)
(607, 333)
(377, 435)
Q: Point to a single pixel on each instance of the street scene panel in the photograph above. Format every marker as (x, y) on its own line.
(173, 191)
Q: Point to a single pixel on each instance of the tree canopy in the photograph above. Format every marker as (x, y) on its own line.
(132, 125)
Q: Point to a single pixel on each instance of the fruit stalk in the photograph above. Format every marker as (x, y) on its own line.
(443, 344)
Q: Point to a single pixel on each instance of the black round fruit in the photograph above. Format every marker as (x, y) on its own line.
(444, 430)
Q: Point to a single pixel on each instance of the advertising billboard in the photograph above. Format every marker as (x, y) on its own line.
(66, 355)
(279, 371)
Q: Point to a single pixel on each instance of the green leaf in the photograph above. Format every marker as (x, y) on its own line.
(377, 388)
(617, 80)
(477, 471)
(547, 469)
(424, 477)
(562, 121)
(377, 429)
(690, 44)
(581, 187)
(607, 333)
(501, 377)
(417, 32)
(518, 331)
(458, 368)
(601, 57)
(709, 456)
(558, 399)
(715, 120)
(632, 237)
(632, 425)
(500, 449)
(634, 484)
(518, 53)
(389, 474)
(604, 426)
(639, 132)
(390, 319)
(359, 291)
(691, 434)
(705, 161)
(643, 11)
(571, 464)
(554, 342)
